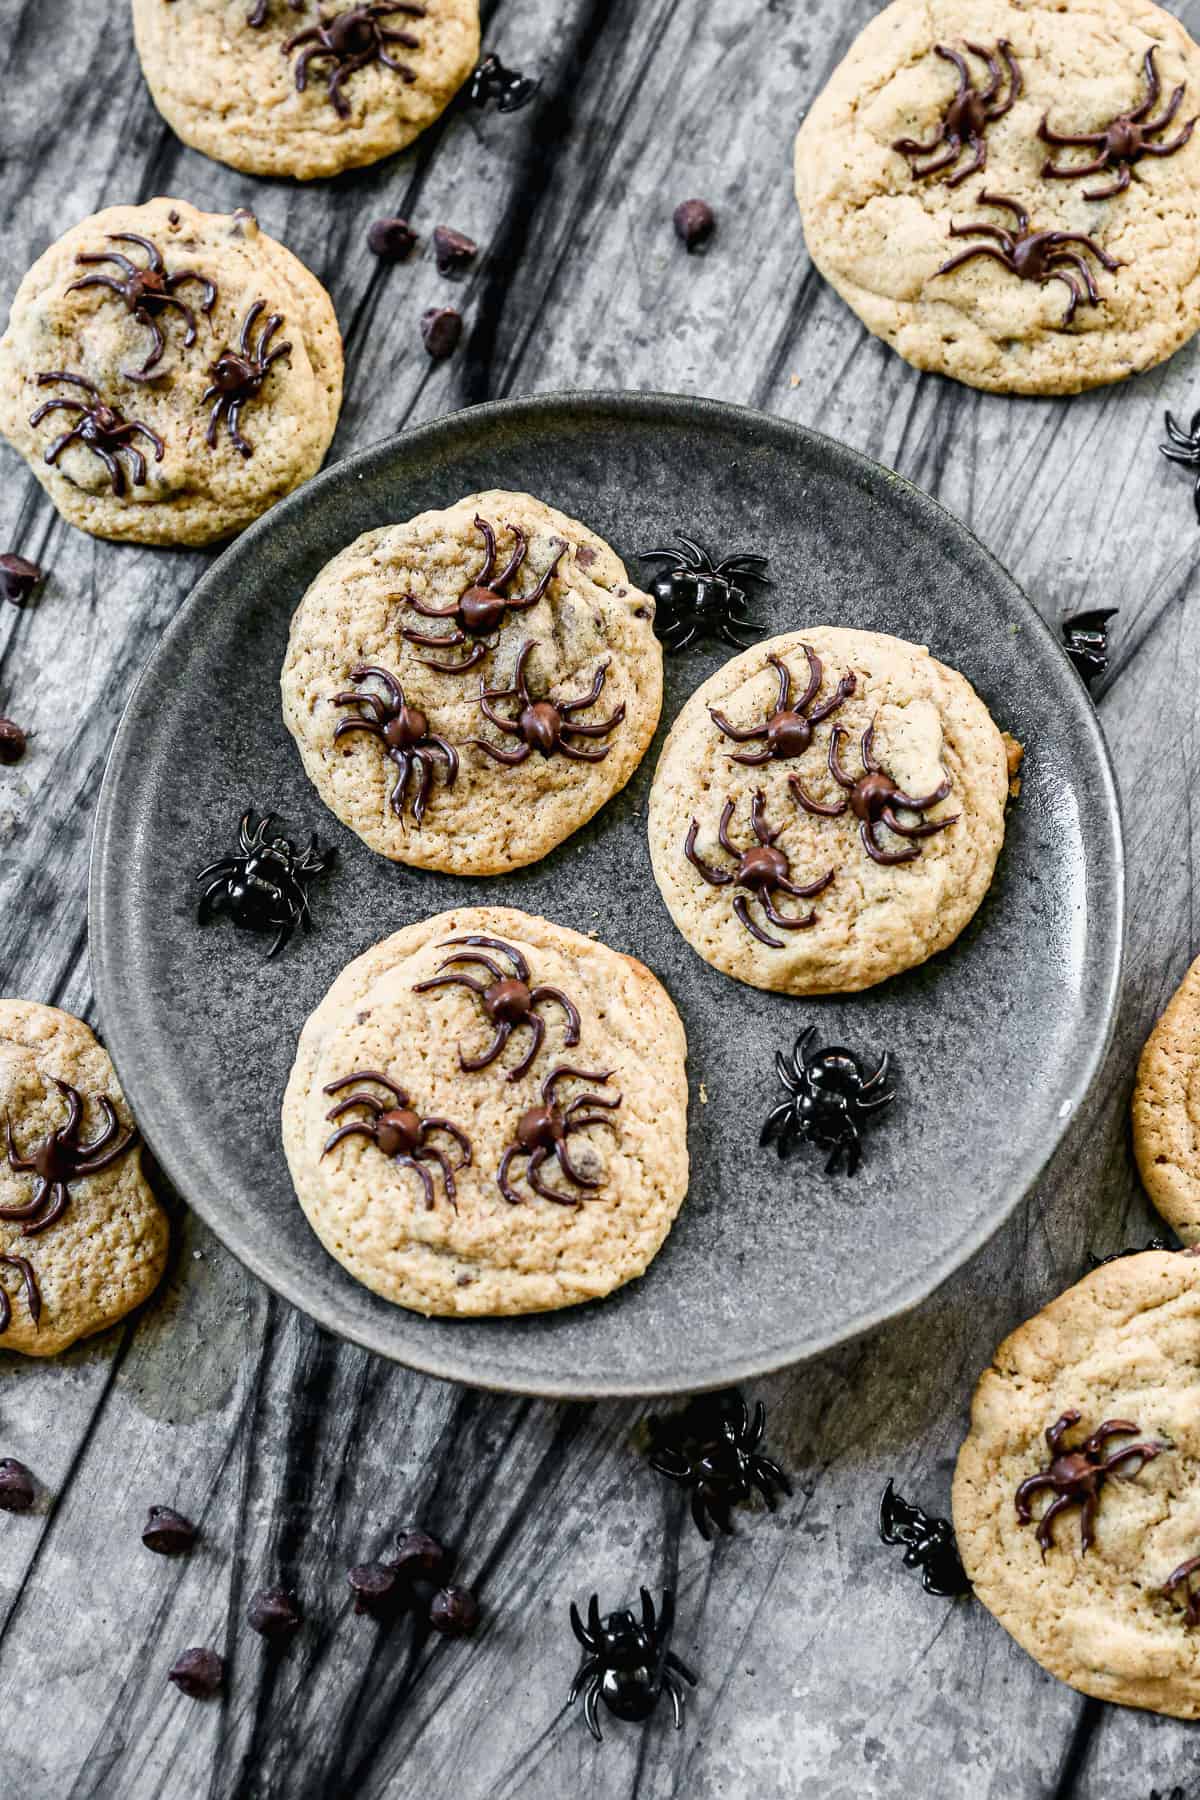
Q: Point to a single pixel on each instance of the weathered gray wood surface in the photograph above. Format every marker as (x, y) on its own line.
(826, 1671)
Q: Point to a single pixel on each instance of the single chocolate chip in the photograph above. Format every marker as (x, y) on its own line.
(441, 328)
(453, 249)
(273, 1613)
(168, 1533)
(375, 1587)
(16, 1486)
(454, 1612)
(695, 222)
(12, 741)
(198, 1673)
(18, 578)
(391, 239)
(419, 1554)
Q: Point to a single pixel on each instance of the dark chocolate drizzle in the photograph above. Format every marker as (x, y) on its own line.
(1075, 1477)
(100, 428)
(541, 724)
(33, 1294)
(146, 292)
(875, 800)
(542, 1133)
(397, 1131)
(1120, 143)
(351, 39)
(483, 607)
(404, 732)
(61, 1159)
(788, 730)
(968, 114)
(238, 376)
(764, 871)
(1040, 256)
(929, 1544)
(509, 1001)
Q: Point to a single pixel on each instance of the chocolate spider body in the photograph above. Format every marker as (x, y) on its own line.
(697, 598)
(238, 376)
(1085, 636)
(33, 1294)
(1181, 1577)
(1075, 1477)
(509, 1001)
(404, 732)
(830, 1097)
(147, 293)
(1184, 448)
(61, 1159)
(763, 871)
(1041, 256)
(711, 1449)
(351, 39)
(262, 888)
(542, 1133)
(875, 800)
(628, 1663)
(544, 725)
(788, 731)
(1120, 143)
(397, 1131)
(100, 428)
(482, 608)
(929, 1544)
(971, 110)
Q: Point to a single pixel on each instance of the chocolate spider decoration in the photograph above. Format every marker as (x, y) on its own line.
(404, 732)
(1085, 636)
(351, 39)
(788, 731)
(1184, 448)
(764, 871)
(1041, 256)
(544, 725)
(61, 1159)
(482, 608)
(711, 1448)
(490, 80)
(628, 1664)
(542, 1133)
(1120, 143)
(697, 598)
(100, 428)
(929, 1544)
(1181, 1577)
(874, 799)
(397, 1131)
(33, 1294)
(263, 7)
(829, 1098)
(1076, 1476)
(509, 1001)
(969, 113)
(147, 292)
(238, 376)
(262, 888)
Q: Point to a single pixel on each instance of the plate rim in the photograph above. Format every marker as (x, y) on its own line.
(440, 1360)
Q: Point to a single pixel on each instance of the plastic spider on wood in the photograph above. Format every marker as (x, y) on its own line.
(696, 597)
(929, 1544)
(875, 800)
(98, 427)
(1120, 143)
(482, 608)
(712, 1449)
(829, 1098)
(1076, 1476)
(61, 1159)
(1184, 448)
(542, 1133)
(404, 732)
(968, 114)
(764, 871)
(396, 1130)
(544, 725)
(147, 292)
(788, 731)
(628, 1663)
(509, 1001)
(1041, 256)
(351, 39)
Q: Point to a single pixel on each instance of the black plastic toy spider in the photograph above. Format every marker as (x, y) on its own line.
(262, 889)
(542, 1133)
(697, 598)
(508, 1001)
(1085, 636)
(1154, 1243)
(829, 1099)
(507, 87)
(102, 429)
(396, 1130)
(1184, 448)
(711, 1448)
(350, 40)
(929, 1544)
(542, 724)
(147, 292)
(61, 1159)
(788, 730)
(629, 1663)
(238, 375)
(481, 609)
(404, 732)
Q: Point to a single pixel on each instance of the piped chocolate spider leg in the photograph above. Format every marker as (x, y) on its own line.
(1153, 89)
(523, 602)
(535, 1181)
(426, 1179)
(571, 1034)
(876, 851)
(107, 1146)
(818, 807)
(33, 1298)
(742, 914)
(503, 1033)
(403, 762)
(31, 1208)
(510, 758)
(567, 707)
(573, 753)
(714, 877)
(460, 1137)
(537, 1033)
(966, 256)
(772, 912)
(928, 828)
(475, 655)
(20, 1165)
(1175, 144)
(514, 1199)
(351, 1101)
(359, 1128)
(978, 162)
(344, 1081)
(431, 1152)
(59, 1195)
(723, 837)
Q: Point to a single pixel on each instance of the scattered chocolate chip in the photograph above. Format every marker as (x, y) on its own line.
(507, 87)
(18, 577)
(391, 239)
(173, 217)
(441, 328)
(374, 1586)
(453, 249)
(12, 741)
(245, 223)
(274, 1614)
(695, 222)
(198, 1673)
(16, 1486)
(419, 1554)
(168, 1533)
(454, 1612)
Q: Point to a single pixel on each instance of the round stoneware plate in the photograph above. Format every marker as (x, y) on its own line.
(768, 1262)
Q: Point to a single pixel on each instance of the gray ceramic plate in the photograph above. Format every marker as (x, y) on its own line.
(994, 1042)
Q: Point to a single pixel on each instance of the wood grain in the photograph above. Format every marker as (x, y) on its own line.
(826, 1671)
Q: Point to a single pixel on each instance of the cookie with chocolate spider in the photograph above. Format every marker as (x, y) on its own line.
(168, 374)
(470, 687)
(488, 1115)
(285, 87)
(1166, 1110)
(1077, 1491)
(82, 1238)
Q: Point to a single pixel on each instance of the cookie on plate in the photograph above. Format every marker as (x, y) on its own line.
(961, 135)
(827, 810)
(169, 374)
(1077, 1491)
(488, 1115)
(289, 87)
(82, 1239)
(1166, 1111)
(468, 688)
